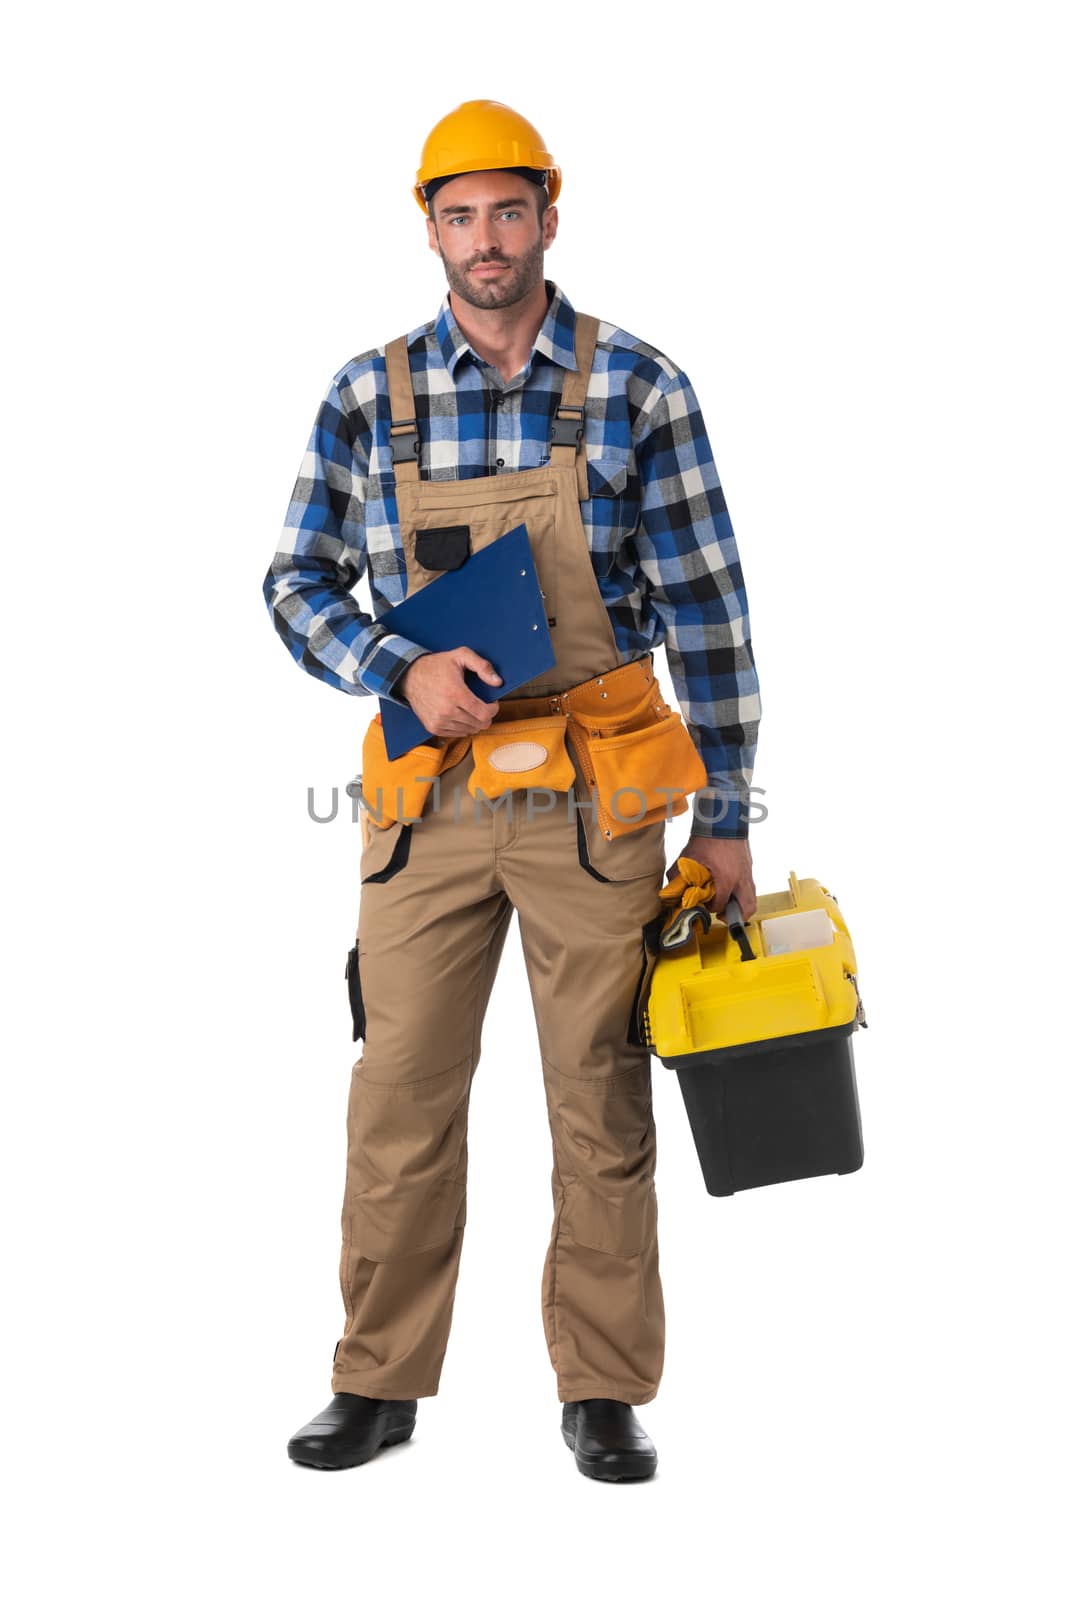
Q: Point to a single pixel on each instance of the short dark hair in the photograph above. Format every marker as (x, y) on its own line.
(531, 174)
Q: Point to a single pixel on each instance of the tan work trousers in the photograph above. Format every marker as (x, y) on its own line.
(435, 908)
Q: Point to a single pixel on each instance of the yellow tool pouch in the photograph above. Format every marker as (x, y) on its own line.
(392, 790)
(638, 763)
(633, 770)
(521, 753)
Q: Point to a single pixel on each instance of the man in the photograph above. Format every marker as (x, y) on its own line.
(512, 408)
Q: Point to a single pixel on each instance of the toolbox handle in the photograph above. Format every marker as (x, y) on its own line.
(736, 924)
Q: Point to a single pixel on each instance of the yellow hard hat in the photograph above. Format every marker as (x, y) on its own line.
(479, 136)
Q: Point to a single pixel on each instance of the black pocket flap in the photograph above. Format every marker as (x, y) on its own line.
(442, 549)
(355, 993)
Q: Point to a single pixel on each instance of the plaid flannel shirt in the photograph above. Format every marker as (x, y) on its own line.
(660, 537)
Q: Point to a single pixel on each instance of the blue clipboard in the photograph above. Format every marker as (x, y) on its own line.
(491, 603)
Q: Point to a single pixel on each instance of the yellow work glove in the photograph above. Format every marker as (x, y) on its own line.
(692, 886)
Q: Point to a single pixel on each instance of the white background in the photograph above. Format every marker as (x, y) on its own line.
(843, 222)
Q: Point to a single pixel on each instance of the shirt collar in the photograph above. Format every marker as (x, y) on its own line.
(555, 337)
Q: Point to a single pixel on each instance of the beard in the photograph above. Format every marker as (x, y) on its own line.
(492, 294)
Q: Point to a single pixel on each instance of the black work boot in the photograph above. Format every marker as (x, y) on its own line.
(351, 1430)
(607, 1440)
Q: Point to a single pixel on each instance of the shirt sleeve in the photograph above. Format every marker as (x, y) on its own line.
(321, 555)
(688, 554)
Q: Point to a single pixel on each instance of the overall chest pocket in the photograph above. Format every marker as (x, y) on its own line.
(444, 505)
(442, 527)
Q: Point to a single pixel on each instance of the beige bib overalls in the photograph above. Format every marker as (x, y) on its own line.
(437, 897)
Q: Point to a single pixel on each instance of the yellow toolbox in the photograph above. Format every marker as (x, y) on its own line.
(757, 1019)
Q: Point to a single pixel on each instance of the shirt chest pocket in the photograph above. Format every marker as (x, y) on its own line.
(614, 499)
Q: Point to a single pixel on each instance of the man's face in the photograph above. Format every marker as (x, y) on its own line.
(486, 229)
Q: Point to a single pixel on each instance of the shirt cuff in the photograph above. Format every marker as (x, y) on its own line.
(390, 660)
(719, 812)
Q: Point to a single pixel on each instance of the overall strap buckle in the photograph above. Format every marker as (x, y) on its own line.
(568, 430)
(404, 440)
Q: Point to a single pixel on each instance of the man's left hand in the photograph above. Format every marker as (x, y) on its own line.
(730, 863)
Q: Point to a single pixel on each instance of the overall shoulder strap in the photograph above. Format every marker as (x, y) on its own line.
(568, 425)
(403, 431)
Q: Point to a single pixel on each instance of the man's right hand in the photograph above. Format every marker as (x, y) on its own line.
(434, 688)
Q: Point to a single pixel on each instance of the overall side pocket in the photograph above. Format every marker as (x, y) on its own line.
(385, 853)
(638, 852)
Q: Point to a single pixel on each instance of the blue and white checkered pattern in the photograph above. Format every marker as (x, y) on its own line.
(659, 533)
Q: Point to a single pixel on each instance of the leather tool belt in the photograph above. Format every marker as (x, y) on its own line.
(635, 754)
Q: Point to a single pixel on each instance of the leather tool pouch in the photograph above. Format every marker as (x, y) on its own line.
(526, 753)
(632, 771)
(392, 791)
(638, 769)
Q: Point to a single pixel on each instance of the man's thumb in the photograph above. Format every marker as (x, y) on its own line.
(471, 660)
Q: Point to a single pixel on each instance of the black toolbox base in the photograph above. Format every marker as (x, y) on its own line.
(773, 1111)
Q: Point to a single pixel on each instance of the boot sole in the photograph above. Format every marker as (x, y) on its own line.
(394, 1435)
(617, 1471)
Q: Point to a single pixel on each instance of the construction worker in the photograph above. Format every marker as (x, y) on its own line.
(509, 407)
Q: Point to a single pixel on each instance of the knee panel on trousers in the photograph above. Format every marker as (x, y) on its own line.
(618, 1225)
(406, 1183)
(605, 1146)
